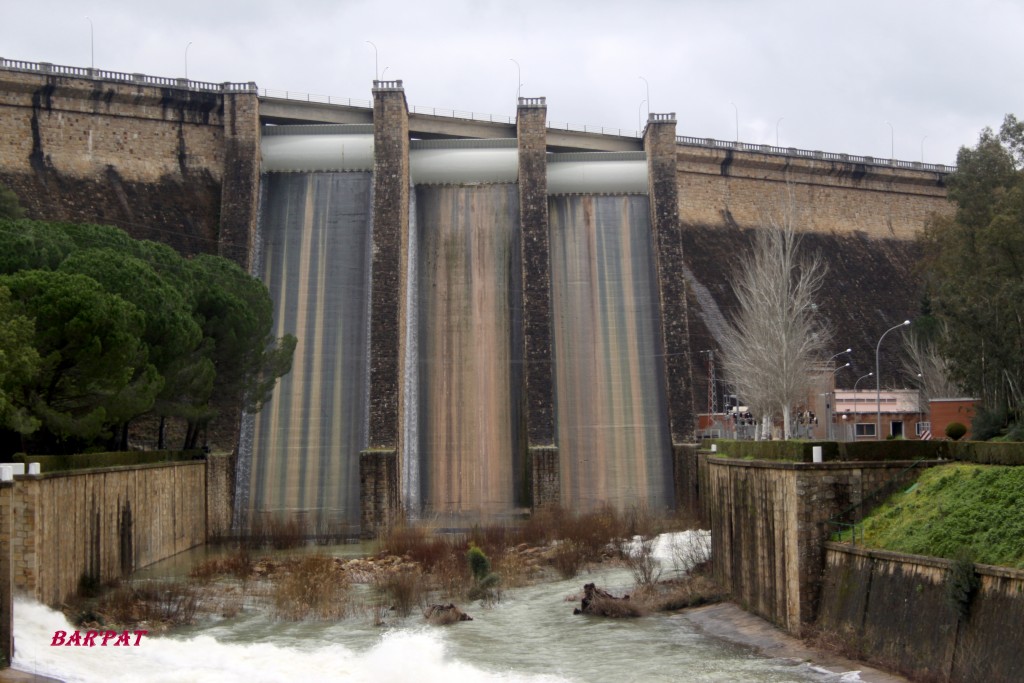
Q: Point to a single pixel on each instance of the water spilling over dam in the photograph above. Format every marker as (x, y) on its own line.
(476, 275)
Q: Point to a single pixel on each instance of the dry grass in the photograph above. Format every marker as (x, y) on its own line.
(313, 588)
(401, 591)
(161, 604)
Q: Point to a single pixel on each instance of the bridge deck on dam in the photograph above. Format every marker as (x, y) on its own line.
(282, 111)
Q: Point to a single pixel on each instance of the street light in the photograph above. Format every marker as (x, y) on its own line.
(639, 107)
(777, 130)
(839, 354)
(186, 58)
(648, 85)
(519, 79)
(376, 69)
(92, 45)
(830, 408)
(737, 110)
(922, 148)
(870, 374)
(878, 382)
(892, 141)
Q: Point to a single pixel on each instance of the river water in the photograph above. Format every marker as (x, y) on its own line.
(530, 635)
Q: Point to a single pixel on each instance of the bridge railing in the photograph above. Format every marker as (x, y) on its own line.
(811, 154)
(161, 81)
(122, 77)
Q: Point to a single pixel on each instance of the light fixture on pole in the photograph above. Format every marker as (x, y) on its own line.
(92, 45)
(922, 148)
(878, 381)
(777, 130)
(186, 58)
(737, 110)
(855, 384)
(830, 409)
(639, 127)
(519, 79)
(648, 100)
(850, 350)
(376, 66)
(892, 141)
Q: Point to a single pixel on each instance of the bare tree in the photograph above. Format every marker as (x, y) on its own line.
(927, 367)
(776, 337)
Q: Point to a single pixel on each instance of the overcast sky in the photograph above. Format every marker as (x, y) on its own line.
(834, 72)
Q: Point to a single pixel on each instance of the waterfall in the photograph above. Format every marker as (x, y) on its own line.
(468, 281)
(316, 264)
(614, 444)
(411, 494)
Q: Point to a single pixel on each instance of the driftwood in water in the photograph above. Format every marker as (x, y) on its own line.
(442, 615)
(601, 603)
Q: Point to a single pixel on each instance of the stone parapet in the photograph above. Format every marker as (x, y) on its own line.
(379, 503)
(545, 477)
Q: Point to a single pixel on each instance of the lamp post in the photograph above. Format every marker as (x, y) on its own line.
(870, 374)
(737, 111)
(830, 408)
(878, 381)
(376, 66)
(519, 79)
(186, 58)
(922, 148)
(92, 45)
(839, 354)
(648, 100)
(639, 127)
(777, 130)
(892, 141)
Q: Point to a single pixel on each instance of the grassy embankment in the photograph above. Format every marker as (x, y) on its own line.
(955, 511)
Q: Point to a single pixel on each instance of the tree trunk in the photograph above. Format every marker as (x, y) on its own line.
(161, 433)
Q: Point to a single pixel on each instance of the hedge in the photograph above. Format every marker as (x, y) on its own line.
(981, 452)
(87, 461)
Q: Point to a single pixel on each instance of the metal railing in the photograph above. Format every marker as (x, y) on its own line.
(811, 154)
(854, 512)
(122, 77)
(161, 81)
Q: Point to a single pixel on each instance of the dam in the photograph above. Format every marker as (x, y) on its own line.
(463, 449)
(493, 313)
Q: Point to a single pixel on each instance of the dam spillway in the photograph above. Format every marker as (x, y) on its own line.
(522, 343)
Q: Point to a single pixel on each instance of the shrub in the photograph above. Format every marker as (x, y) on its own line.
(479, 565)
(956, 430)
(403, 590)
(313, 588)
(986, 424)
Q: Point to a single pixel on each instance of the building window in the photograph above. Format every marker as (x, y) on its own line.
(923, 427)
(865, 429)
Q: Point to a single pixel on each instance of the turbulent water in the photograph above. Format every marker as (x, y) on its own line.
(531, 635)
(315, 229)
(612, 412)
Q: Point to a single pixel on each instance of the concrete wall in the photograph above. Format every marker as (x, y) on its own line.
(163, 161)
(768, 524)
(6, 573)
(102, 524)
(726, 188)
(894, 610)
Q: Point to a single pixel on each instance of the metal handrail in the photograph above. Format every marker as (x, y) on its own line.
(121, 77)
(811, 154)
(888, 487)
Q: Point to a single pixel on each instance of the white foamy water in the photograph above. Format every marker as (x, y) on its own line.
(530, 636)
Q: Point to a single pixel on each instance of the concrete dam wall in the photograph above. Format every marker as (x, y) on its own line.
(490, 316)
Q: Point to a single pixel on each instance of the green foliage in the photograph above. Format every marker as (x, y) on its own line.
(954, 507)
(975, 268)
(961, 585)
(19, 365)
(99, 328)
(479, 564)
(987, 423)
(93, 368)
(956, 430)
(31, 245)
(9, 206)
(89, 461)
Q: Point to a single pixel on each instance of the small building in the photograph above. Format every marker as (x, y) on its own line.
(946, 410)
(858, 414)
